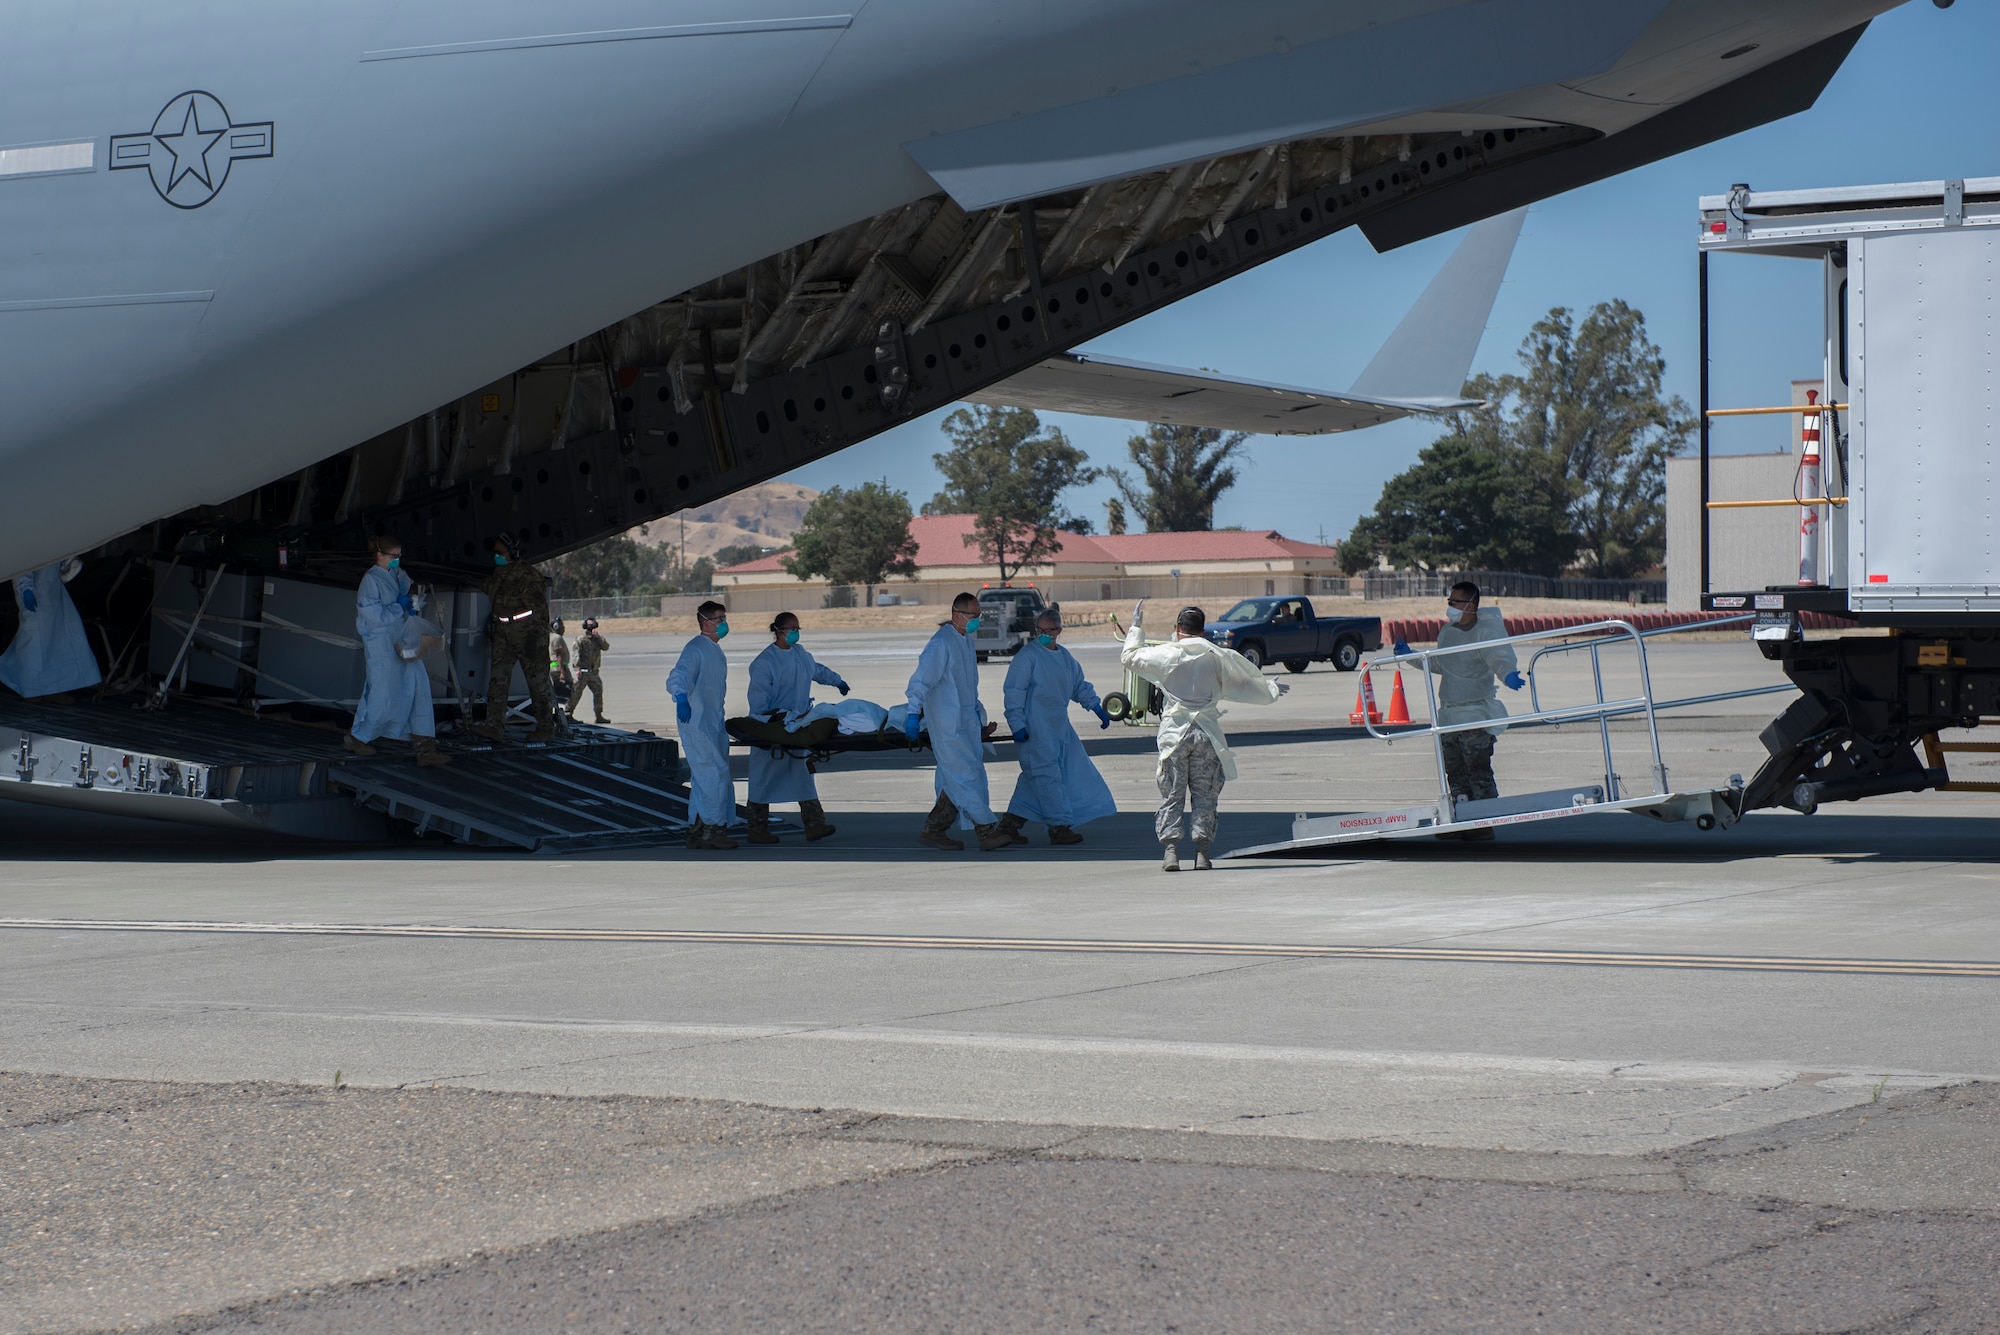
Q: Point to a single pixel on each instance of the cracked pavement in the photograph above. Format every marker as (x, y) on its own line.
(190, 1208)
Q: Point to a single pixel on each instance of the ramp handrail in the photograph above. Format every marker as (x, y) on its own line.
(1602, 710)
(1535, 692)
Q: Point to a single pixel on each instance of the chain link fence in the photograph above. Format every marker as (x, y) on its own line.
(1383, 584)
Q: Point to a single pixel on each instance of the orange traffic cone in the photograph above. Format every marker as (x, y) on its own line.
(1364, 703)
(1399, 706)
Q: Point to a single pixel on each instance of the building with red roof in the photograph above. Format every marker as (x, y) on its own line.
(1220, 563)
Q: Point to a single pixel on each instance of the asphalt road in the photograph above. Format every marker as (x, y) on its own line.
(1657, 1078)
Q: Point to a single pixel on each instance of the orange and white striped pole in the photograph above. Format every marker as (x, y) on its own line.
(1809, 488)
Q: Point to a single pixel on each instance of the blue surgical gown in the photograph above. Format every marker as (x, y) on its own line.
(781, 681)
(396, 696)
(1059, 785)
(945, 690)
(50, 653)
(702, 675)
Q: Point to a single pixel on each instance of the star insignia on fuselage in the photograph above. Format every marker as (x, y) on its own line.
(189, 150)
(190, 145)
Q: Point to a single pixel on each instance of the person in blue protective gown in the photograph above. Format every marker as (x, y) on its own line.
(396, 694)
(699, 684)
(1059, 786)
(50, 653)
(781, 682)
(943, 699)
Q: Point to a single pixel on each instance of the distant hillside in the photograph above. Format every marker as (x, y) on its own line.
(765, 515)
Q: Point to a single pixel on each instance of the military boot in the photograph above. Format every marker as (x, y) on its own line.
(1062, 834)
(357, 746)
(937, 826)
(428, 754)
(1201, 862)
(1010, 825)
(814, 816)
(992, 838)
(759, 816)
(1170, 859)
(545, 728)
(492, 729)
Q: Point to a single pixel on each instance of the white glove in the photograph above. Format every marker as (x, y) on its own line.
(71, 568)
(1139, 614)
(417, 600)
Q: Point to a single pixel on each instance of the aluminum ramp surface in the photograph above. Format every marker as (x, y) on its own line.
(554, 800)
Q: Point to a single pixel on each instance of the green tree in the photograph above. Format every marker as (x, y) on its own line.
(855, 537)
(1114, 516)
(606, 569)
(1464, 506)
(1563, 465)
(1589, 409)
(1183, 470)
(1009, 474)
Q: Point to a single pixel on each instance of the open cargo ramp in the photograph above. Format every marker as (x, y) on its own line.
(553, 800)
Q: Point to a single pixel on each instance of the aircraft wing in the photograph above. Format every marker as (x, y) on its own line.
(1418, 370)
(1098, 386)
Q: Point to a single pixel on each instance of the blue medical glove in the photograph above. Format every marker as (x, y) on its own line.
(403, 601)
(913, 725)
(1515, 681)
(841, 686)
(1402, 647)
(1103, 717)
(1020, 736)
(682, 710)
(28, 597)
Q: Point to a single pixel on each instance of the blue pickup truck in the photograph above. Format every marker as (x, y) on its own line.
(1285, 630)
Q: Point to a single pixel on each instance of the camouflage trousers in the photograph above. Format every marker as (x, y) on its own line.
(1189, 775)
(587, 680)
(1468, 763)
(526, 643)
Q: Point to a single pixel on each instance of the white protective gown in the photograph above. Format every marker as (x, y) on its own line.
(50, 653)
(1197, 677)
(396, 696)
(945, 690)
(702, 674)
(1059, 785)
(1466, 690)
(781, 681)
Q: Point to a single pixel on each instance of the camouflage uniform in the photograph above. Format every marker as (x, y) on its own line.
(558, 658)
(1192, 774)
(520, 634)
(590, 647)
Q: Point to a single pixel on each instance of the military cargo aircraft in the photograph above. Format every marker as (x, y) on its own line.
(562, 266)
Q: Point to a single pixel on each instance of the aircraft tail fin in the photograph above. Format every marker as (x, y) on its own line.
(1430, 352)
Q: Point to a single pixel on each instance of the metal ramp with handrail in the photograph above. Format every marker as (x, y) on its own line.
(1449, 814)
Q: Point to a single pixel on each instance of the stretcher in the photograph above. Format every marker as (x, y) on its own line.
(821, 740)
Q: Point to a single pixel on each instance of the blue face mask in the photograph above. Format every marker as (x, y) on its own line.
(1045, 640)
(971, 625)
(395, 563)
(499, 560)
(721, 629)
(791, 637)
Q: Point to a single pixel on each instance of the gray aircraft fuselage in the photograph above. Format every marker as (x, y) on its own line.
(239, 237)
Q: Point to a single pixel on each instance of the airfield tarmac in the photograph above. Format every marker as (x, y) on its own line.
(1599, 1074)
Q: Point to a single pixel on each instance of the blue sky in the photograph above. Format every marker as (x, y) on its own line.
(1917, 100)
